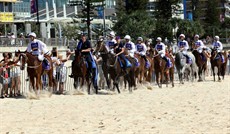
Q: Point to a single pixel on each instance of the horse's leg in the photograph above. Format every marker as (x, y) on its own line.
(172, 76)
(219, 73)
(213, 72)
(50, 76)
(105, 71)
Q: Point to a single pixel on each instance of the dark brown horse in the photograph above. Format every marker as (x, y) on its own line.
(80, 72)
(35, 70)
(201, 63)
(217, 62)
(113, 67)
(161, 69)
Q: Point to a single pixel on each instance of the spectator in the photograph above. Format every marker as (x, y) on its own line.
(12, 39)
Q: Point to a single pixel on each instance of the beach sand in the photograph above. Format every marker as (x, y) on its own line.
(202, 107)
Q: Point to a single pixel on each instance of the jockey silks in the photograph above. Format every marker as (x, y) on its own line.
(183, 44)
(37, 47)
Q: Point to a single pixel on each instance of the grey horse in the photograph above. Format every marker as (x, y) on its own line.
(183, 68)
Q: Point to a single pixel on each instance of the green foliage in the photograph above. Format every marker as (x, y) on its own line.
(165, 8)
(196, 10)
(135, 24)
(135, 5)
(213, 13)
(190, 28)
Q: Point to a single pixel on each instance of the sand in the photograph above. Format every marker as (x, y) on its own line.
(185, 109)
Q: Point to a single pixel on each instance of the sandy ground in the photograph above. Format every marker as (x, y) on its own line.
(191, 108)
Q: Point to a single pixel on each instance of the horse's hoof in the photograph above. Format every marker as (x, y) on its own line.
(200, 80)
(135, 88)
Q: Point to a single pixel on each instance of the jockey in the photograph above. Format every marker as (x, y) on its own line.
(38, 48)
(217, 45)
(119, 50)
(141, 50)
(183, 46)
(199, 45)
(130, 46)
(161, 49)
(110, 44)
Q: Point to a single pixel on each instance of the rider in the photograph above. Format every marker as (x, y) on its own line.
(141, 50)
(217, 45)
(160, 48)
(183, 46)
(110, 44)
(199, 46)
(38, 48)
(84, 46)
(130, 46)
(119, 50)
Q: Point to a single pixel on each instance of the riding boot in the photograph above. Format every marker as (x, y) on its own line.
(167, 61)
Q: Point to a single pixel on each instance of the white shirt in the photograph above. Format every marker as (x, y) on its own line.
(110, 44)
(183, 44)
(141, 48)
(37, 47)
(160, 48)
(130, 46)
(218, 45)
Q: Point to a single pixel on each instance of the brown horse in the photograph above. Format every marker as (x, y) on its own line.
(113, 67)
(161, 70)
(143, 73)
(217, 62)
(35, 70)
(201, 63)
(80, 71)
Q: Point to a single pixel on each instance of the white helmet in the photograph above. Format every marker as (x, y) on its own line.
(217, 38)
(182, 35)
(32, 34)
(197, 36)
(158, 39)
(127, 37)
(112, 34)
(140, 38)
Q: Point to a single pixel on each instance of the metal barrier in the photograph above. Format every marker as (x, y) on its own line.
(8, 42)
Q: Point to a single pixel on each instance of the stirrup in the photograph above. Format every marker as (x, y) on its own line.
(71, 76)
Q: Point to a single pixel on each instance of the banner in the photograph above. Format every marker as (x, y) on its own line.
(33, 8)
(6, 17)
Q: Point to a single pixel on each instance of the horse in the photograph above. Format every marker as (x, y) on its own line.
(217, 62)
(35, 70)
(113, 68)
(104, 57)
(181, 66)
(143, 73)
(80, 71)
(160, 68)
(201, 63)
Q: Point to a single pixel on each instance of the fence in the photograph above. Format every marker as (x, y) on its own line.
(8, 42)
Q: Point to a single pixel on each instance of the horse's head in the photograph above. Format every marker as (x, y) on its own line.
(22, 58)
(100, 47)
(112, 59)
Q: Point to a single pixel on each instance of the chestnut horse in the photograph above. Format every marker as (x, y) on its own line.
(143, 73)
(160, 68)
(217, 62)
(35, 70)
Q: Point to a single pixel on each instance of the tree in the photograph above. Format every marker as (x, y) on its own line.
(120, 8)
(212, 13)
(135, 24)
(163, 13)
(135, 5)
(196, 9)
(166, 8)
(189, 28)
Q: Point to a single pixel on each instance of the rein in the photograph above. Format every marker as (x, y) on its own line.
(26, 58)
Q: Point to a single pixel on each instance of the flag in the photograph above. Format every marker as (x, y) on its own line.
(33, 6)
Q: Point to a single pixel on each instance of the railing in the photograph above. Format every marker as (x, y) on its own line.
(7, 42)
